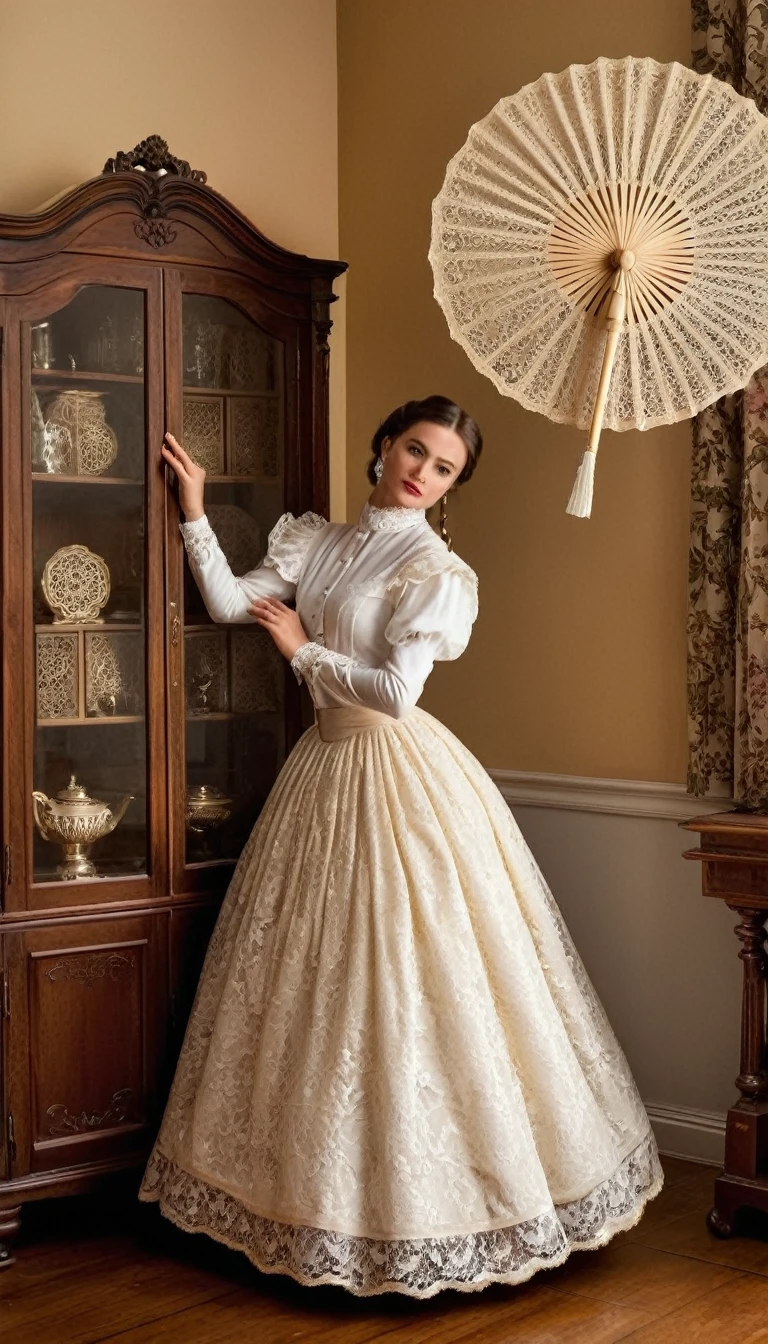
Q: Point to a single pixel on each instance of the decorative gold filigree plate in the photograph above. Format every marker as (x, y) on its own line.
(75, 585)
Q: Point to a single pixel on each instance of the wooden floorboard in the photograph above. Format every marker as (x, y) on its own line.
(89, 1271)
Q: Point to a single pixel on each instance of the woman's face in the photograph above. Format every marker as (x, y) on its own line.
(419, 466)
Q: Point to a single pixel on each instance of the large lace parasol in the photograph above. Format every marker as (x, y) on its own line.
(600, 247)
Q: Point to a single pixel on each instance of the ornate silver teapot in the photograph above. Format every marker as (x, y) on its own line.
(74, 820)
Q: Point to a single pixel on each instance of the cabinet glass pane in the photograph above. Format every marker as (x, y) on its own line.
(234, 678)
(86, 455)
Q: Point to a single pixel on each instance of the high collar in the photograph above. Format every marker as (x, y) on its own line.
(389, 520)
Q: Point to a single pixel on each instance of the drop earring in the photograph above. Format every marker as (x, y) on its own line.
(444, 522)
(378, 469)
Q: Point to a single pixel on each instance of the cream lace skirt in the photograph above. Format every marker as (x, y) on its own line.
(397, 1074)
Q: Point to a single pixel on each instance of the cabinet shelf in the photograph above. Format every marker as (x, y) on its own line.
(224, 715)
(215, 716)
(99, 719)
(66, 377)
(97, 628)
(244, 480)
(61, 479)
(268, 394)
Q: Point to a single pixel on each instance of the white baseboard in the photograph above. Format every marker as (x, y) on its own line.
(622, 797)
(698, 1136)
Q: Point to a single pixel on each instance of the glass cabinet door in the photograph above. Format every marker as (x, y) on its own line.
(85, 380)
(233, 424)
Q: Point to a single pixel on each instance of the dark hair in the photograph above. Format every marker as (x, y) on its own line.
(437, 411)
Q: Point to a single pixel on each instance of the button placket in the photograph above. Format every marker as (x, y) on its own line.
(345, 561)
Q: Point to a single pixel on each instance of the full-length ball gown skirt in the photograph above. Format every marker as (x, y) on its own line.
(397, 1074)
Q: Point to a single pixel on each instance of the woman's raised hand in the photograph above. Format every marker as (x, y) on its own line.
(191, 478)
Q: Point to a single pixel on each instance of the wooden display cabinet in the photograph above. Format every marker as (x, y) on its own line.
(140, 301)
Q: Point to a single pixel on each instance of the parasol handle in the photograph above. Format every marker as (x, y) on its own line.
(580, 503)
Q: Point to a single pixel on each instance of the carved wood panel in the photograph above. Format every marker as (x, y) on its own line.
(95, 993)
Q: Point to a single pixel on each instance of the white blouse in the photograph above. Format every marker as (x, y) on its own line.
(381, 600)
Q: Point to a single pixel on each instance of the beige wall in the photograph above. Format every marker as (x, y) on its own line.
(577, 665)
(244, 89)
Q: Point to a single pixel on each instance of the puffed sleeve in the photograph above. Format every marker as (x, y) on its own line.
(227, 597)
(436, 606)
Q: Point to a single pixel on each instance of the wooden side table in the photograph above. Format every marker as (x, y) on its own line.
(733, 851)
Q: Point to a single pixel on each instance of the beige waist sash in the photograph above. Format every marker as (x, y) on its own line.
(334, 725)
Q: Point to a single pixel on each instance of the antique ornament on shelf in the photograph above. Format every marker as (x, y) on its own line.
(103, 681)
(600, 247)
(253, 437)
(112, 668)
(249, 358)
(82, 415)
(203, 431)
(219, 354)
(104, 349)
(203, 352)
(75, 821)
(41, 346)
(205, 670)
(57, 676)
(207, 808)
(75, 585)
(51, 444)
(113, 674)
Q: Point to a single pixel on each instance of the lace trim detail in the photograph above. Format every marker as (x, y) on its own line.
(430, 563)
(417, 1267)
(389, 520)
(307, 661)
(199, 539)
(289, 542)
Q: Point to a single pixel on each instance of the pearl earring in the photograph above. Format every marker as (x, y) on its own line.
(378, 470)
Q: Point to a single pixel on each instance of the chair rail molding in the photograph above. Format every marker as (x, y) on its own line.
(618, 797)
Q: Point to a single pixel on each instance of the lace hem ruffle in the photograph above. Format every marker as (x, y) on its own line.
(415, 1267)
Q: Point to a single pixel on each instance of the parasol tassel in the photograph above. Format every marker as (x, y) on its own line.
(580, 503)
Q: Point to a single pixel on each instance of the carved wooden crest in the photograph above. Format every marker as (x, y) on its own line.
(153, 157)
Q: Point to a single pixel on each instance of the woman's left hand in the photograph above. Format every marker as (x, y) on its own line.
(281, 622)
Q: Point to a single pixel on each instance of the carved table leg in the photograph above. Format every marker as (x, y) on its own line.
(10, 1226)
(752, 1081)
(746, 1129)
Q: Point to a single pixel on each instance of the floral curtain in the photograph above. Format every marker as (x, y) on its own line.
(728, 577)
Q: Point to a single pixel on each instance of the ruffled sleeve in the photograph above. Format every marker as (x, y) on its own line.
(227, 597)
(438, 602)
(289, 542)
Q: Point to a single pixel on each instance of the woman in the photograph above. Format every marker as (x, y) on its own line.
(397, 1075)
